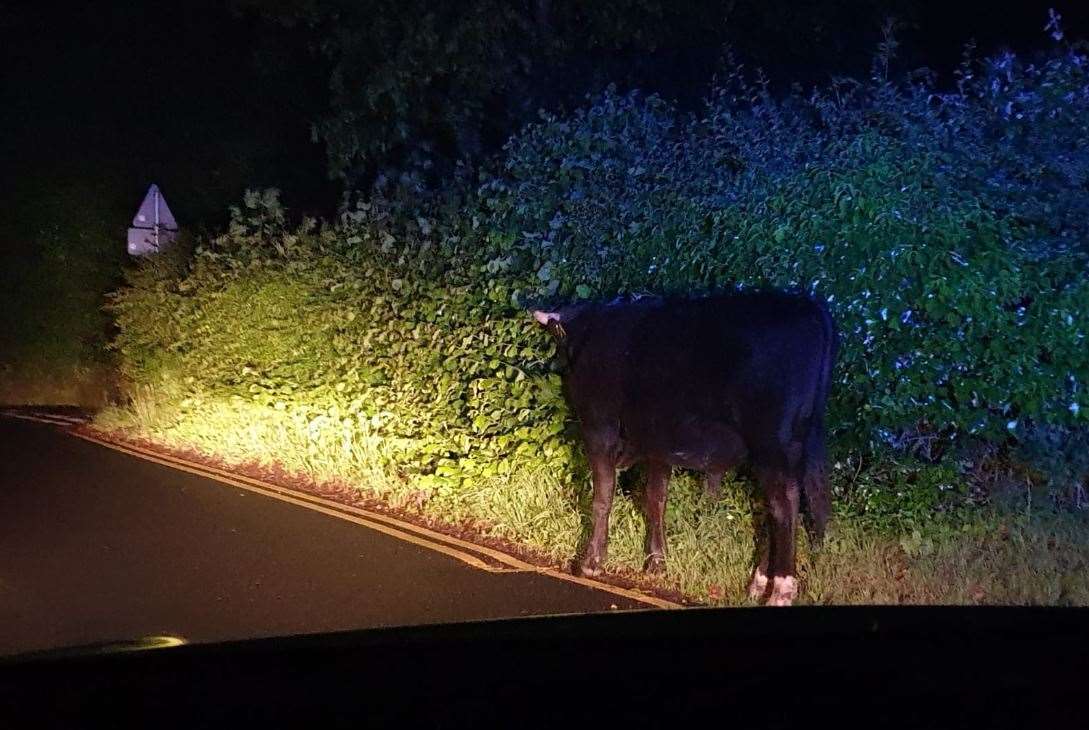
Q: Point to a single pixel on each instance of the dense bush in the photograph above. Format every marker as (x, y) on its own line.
(60, 253)
(418, 84)
(948, 230)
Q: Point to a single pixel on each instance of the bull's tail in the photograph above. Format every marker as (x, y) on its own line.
(815, 489)
(816, 492)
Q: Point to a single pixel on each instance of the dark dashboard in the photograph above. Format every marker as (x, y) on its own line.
(903, 667)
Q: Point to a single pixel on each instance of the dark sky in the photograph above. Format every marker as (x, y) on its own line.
(116, 95)
(163, 91)
(1018, 24)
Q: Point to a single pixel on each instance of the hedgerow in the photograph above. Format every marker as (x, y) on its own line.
(947, 229)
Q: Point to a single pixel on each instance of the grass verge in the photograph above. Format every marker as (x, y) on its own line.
(999, 555)
(85, 385)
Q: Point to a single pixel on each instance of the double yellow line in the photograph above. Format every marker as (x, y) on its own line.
(478, 556)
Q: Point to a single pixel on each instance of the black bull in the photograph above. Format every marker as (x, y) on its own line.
(705, 384)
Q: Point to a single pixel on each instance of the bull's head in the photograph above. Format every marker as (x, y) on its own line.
(551, 321)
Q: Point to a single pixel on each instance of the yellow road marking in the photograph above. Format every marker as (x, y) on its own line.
(38, 418)
(415, 534)
(284, 495)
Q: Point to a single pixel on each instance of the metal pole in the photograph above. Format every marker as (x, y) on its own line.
(156, 218)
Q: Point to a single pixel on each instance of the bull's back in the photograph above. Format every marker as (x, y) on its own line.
(692, 354)
(684, 376)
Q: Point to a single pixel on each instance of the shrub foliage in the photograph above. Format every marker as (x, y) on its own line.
(948, 229)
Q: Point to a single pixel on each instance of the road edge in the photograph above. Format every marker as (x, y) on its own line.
(478, 556)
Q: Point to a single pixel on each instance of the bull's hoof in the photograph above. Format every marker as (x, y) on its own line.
(784, 589)
(590, 567)
(758, 586)
(654, 565)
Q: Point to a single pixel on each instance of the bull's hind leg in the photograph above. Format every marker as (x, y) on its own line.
(657, 487)
(758, 584)
(712, 484)
(604, 475)
(782, 499)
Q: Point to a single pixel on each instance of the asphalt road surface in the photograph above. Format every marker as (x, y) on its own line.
(96, 545)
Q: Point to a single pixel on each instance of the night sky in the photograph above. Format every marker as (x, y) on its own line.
(110, 97)
(171, 92)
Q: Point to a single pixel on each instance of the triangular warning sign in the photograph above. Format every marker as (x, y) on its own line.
(153, 225)
(154, 211)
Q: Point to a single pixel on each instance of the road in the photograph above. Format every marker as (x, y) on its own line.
(96, 545)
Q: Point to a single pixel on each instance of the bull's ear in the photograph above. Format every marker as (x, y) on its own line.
(545, 318)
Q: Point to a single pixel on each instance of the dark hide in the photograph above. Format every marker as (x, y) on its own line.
(703, 384)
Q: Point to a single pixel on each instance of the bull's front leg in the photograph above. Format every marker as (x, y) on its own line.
(604, 475)
(657, 488)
